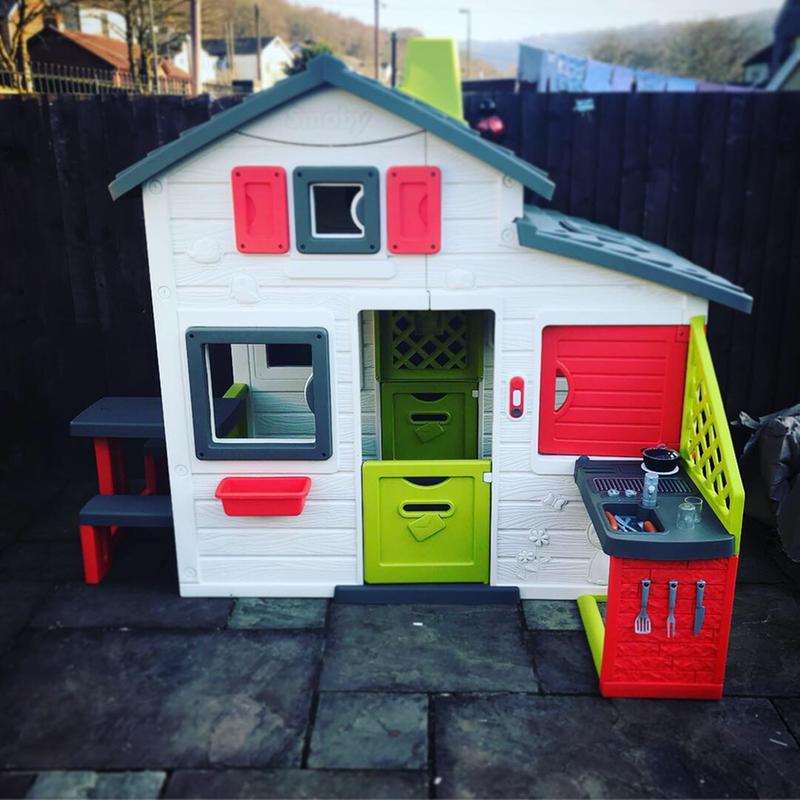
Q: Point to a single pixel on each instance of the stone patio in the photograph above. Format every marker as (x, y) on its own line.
(127, 690)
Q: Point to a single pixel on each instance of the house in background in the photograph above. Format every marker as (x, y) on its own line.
(208, 63)
(96, 21)
(77, 50)
(242, 64)
(776, 67)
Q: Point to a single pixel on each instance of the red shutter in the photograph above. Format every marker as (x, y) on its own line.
(414, 209)
(625, 388)
(260, 209)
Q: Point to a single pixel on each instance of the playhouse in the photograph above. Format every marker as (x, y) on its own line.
(380, 367)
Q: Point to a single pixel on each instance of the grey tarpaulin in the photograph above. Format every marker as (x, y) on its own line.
(771, 457)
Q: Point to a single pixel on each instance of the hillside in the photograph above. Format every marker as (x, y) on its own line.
(649, 42)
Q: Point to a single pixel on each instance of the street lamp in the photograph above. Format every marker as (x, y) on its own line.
(468, 13)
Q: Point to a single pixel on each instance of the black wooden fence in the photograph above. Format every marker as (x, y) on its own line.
(715, 177)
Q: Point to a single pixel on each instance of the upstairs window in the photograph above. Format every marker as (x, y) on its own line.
(337, 209)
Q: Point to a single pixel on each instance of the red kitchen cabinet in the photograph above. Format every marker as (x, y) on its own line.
(654, 665)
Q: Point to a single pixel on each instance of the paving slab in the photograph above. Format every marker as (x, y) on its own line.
(563, 662)
(789, 709)
(81, 785)
(764, 662)
(757, 606)
(297, 783)
(369, 730)
(103, 700)
(276, 613)
(764, 651)
(47, 562)
(552, 615)
(18, 602)
(147, 604)
(438, 648)
(527, 746)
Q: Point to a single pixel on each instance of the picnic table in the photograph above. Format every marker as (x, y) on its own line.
(108, 422)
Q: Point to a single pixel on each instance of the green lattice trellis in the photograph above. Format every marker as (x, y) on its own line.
(429, 345)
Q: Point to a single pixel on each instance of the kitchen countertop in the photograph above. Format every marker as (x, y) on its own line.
(708, 539)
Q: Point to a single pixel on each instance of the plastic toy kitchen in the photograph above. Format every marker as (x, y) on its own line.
(381, 369)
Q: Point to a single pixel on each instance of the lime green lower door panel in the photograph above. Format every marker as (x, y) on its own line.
(429, 420)
(426, 521)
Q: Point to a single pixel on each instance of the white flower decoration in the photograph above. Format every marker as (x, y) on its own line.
(540, 538)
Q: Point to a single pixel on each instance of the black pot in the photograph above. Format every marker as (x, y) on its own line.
(660, 458)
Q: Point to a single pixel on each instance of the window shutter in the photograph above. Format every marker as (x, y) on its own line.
(620, 388)
(414, 209)
(260, 209)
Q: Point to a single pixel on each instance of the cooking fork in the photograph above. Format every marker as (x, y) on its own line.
(642, 623)
(673, 596)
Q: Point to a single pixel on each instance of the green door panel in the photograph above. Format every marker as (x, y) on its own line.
(423, 420)
(426, 521)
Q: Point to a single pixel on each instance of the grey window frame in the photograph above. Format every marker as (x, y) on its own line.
(369, 205)
(209, 449)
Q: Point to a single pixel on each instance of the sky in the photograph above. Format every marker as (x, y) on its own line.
(516, 19)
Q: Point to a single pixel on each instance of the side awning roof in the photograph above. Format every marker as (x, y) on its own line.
(554, 232)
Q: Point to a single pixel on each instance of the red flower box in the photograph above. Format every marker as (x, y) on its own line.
(282, 496)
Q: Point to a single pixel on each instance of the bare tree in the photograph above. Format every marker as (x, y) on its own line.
(17, 20)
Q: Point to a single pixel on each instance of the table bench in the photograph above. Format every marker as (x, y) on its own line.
(107, 422)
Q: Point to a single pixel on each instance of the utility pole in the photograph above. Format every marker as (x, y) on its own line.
(197, 36)
(376, 37)
(468, 13)
(154, 44)
(257, 11)
(394, 59)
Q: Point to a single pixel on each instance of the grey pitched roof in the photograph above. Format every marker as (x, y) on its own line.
(328, 71)
(554, 232)
(244, 45)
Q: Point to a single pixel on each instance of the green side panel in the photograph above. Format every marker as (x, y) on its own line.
(593, 625)
(426, 420)
(426, 521)
(706, 446)
(433, 74)
(429, 345)
(236, 391)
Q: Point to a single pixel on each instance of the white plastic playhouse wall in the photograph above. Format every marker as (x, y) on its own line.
(540, 532)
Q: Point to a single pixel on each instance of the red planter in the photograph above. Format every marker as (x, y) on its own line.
(282, 496)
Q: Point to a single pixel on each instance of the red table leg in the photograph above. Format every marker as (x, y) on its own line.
(96, 544)
(150, 475)
(110, 466)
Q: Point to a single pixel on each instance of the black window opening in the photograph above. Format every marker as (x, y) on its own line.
(288, 355)
(235, 420)
(336, 210)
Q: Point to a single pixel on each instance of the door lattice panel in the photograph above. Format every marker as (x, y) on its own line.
(441, 345)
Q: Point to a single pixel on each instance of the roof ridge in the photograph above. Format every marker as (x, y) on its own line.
(328, 70)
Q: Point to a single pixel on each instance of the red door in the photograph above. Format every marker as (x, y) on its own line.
(609, 390)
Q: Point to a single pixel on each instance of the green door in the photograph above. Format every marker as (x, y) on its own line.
(426, 421)
(426, 522)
